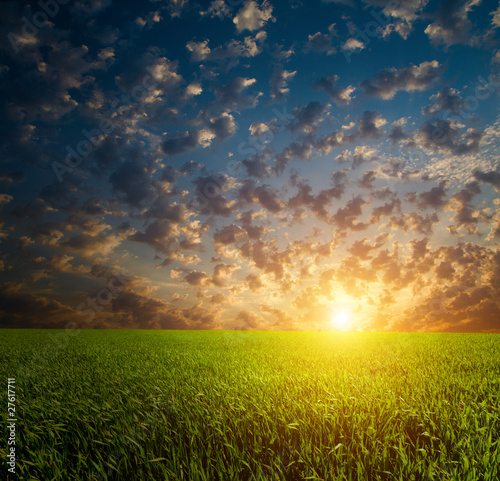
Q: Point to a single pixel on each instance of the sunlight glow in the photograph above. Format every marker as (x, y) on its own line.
(342, 320)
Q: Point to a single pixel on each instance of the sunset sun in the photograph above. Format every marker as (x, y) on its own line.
(342, 320)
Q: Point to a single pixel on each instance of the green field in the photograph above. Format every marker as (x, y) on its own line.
(212, 405)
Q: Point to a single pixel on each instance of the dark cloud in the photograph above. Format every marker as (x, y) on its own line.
(133, 180)
(370, 125)
(265, 195)
(414, 221)
(339, 95)
(232, 50)
(13, 177)
(452, 24)
(389, 81)
(398, 134)
(250, 320)
(348, 217)
(419, 248)
(209, 191)
(22, 309)
(229, 234)
(322, 42)
(279, 83)
(446, 100)
(233, 95)
(222, 125)
(316, 203)
(367, 179)
(296, 150)
(180, 144)
(445, 135)
(257, 166)
(386, 210)
(434, 198)
(307, 117)
(466, 215)
(492, 177)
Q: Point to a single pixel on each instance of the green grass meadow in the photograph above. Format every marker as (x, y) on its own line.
(219, 405)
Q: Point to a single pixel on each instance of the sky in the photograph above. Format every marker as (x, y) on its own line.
(244, 164)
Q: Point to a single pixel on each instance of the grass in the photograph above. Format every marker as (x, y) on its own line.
(172, 405)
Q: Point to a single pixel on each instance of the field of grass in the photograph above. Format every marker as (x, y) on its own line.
(172, 405)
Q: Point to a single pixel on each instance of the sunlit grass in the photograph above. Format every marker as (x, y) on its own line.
(130, 405)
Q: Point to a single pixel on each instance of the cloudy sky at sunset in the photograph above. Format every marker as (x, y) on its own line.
(229, 164)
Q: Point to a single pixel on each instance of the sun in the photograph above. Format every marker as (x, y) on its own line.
(342, 320)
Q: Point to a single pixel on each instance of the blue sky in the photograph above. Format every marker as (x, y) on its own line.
(250, 164)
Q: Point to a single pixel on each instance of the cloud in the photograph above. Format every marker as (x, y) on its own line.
(234, 49)
(307, 117)
(348, 217)
(90, 7)
(398, 134)
(446, 100)
(233, 96)
(496, 17)
(370, 125)
(317, 203)
(389, 81)
(452, 24)
(404, 12)
(256, 166)
(385, 210)
(353, 44)
(12, 178)
(135, 307)
(250, 320)
(222, 125)
(263, 195)
(175, 7)
(22, 309)
(58, 70)
(296, 150)
(252, 17)
(367, 179)
(209, 191)
(363, 154)
(434, 198)
(322, 42)
(230, 234)
(180, 144)
(338, 95)
(492, 177)
(466, 216)
(90, 245)
(279, 83)
(133, 179)
(419, 248)
(444, 135)
(414, 221)
(258, 129)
